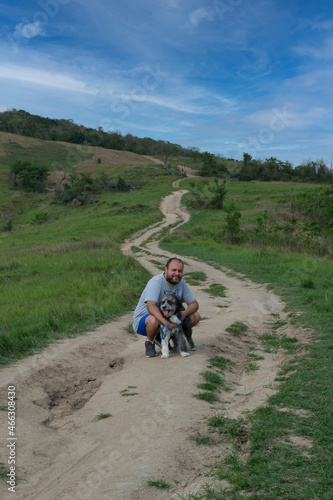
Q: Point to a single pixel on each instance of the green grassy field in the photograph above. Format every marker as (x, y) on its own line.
(67, 274)
(272, 465)
(61, 269)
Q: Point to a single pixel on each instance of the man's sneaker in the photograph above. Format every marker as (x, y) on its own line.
(150, 350)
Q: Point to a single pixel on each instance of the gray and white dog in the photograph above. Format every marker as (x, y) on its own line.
(171, 306)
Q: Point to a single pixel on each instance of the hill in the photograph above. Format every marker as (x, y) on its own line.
(61, 159)
(208, 164)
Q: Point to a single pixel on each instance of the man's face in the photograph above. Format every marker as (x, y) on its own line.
(174, 273)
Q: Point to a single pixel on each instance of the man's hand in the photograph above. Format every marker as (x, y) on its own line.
(171, 326)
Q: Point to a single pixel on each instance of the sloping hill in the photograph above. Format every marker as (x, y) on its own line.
(59, 157)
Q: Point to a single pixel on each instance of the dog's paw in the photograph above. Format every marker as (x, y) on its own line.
(165, 356)
(194, 348)
(184, 354)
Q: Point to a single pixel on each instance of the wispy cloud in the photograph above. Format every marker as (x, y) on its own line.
(207, 73)
(199, 15)
(325, 51)
(29, 30)
(44, 78)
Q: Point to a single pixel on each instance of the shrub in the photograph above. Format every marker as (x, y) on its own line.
(28, 176)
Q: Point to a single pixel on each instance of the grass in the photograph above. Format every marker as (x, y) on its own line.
(275, 466)
(213, 380)
(216, 290)
(66, 275)
(195, 278)
(207, 395)
(160, 483)
(126, 392)
(3, 471)
(102, 416)
(202, 440)
(219, 362)
(251, 367)
(237, 328)
(235, 428)
(274, 342)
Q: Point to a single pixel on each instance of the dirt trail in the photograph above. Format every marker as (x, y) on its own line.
(64, 453)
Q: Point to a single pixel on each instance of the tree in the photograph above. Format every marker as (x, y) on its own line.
(219, 192)
(29, 176)
(212, 165)
(233, 224)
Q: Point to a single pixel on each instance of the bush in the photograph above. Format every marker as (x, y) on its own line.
(29, 176)
(233, 225)
(81, 188)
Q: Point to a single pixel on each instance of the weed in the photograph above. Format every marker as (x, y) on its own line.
(219, 362)
(274, 342)
(125, 392)
(278, 324)
(232, 468)
(102, 416)
(3, 471)
(130, 329)
(195, 278)
(216, 290)
(255, 357)
(213, 378)
(208, 396)
(235, 428)
(160, 483)
(251, 367)
(206, 386)
(202, 440)
(207, 492)
(237, 328)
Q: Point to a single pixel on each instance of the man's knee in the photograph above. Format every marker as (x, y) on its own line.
(152, 322)
(195, 318)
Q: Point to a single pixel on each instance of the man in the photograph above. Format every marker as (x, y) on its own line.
(147, 315)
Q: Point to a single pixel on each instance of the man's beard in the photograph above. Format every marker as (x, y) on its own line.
(171, 280)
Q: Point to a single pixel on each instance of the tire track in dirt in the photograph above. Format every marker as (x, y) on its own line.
(65, 453)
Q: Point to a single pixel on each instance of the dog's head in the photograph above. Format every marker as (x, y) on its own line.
(169, 304)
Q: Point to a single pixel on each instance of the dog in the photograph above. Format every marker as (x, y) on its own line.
(171, 306)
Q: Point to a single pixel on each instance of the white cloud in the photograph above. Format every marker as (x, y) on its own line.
(323, 52)
(29, 30)
(44, 78)
(198, 15)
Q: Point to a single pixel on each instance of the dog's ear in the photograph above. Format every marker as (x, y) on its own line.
(179, 302)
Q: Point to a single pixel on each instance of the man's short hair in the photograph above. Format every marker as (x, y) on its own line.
(174, 258)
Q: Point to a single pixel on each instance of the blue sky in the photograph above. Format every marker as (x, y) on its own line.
(226, 76)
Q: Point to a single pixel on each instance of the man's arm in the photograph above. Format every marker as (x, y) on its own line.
(192, 307)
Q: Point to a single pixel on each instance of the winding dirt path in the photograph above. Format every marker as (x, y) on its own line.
(64, 453)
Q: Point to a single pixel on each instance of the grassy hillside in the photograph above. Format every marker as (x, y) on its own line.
(283, 449)
(62, 272)
(59, 158)
(61, 269)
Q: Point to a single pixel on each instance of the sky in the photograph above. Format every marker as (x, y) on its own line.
(223, 76)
